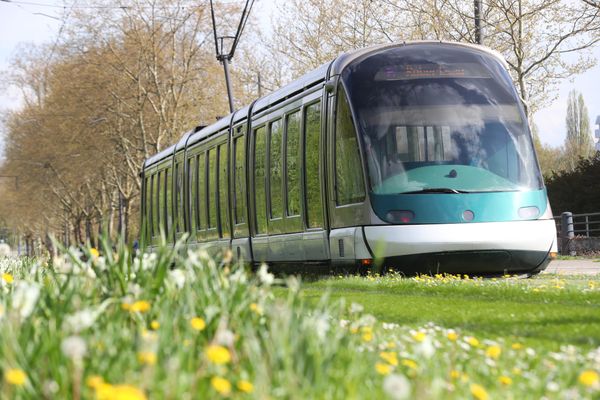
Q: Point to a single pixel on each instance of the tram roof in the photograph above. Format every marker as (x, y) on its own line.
(307, 80)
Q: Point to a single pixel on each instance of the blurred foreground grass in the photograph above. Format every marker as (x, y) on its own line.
(123, 327)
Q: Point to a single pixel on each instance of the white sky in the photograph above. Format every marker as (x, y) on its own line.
(23, 24)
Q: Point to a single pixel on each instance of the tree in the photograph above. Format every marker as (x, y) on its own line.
(551, 159)
(582, 180)
(579, 142)
(534, 36)
(121, 85)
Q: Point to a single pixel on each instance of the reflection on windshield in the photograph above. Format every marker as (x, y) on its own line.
(460, 132)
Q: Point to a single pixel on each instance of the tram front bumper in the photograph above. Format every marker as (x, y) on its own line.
(488, 247)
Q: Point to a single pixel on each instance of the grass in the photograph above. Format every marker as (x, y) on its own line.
(548, 311)
(182, 325)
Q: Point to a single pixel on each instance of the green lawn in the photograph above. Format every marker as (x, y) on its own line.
(170, 325)
(548, 310)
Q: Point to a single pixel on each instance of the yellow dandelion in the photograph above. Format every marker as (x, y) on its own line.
(104, 391)
(479, 392)
(516, 346)
(493, 351)
(517, 371)
(126, 306)
(8, 278)
(15, 376)
(367, 337)
(218, 354)
(454, 374)
(589, 378)
(390, 357)
(382, 368)
(410, 364)
(452, 336)
(197, 324)
(140, 306)
(591, 284)
(245, 386)
(147, 357)
(155, 325)
(221, 385)
(353, 329)
(366, 329)
(505, 380)
(124, 392)
(473, 341)
(419, 336)
(256, 308)
(94, 252)
(94, 381)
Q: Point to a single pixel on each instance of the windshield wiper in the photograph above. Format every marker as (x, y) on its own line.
(436, 190)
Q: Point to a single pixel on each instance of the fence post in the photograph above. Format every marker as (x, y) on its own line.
(566, 233)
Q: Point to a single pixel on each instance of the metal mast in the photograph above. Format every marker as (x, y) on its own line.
(477, 15)
(223, 56)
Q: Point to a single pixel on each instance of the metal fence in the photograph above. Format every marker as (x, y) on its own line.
(587, 225)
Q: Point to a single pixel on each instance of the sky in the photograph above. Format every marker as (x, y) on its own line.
(23, 24)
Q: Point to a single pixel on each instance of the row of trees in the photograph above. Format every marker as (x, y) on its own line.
(122, 82)
(578, 144)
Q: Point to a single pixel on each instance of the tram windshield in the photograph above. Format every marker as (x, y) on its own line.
(440, 119)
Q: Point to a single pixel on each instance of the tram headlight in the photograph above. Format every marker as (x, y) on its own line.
(400, 216)
(529, 212)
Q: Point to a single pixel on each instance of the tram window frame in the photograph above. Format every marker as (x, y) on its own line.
(260, 209)
(212, 182)
(156, 199)
(346, 142)
(223, 191)
(201, 198)
(239, 173)
(289, 212)
(178, 200)
(192, 191)
(148, 204)
(169, 201)
(275, 203)
(160, 203)
(310, 206)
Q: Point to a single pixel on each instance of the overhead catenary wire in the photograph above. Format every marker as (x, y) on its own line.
(107, 7)
(223, 57)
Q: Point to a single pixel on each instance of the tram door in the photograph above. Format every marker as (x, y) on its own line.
(315, 236)
(346, 181)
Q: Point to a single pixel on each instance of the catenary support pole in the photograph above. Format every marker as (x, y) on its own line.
(477, 15)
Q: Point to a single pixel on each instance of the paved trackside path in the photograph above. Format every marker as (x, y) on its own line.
(573, 267)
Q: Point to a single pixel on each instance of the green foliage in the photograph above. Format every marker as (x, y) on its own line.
(109, 325)
(578, 190)
(579, 142)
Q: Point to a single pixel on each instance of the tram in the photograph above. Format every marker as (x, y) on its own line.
(416, 156)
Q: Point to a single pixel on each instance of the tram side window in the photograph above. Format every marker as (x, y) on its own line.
(238, 171)
(192, 191)
(212, 188)
(147, 207)
(292, 156)
(159, 222)
(259, 179)
(348, 171)
(275, 189)
(201, 198)
(179, 197)
(312, 149)
(169, 201)
(223, 191)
